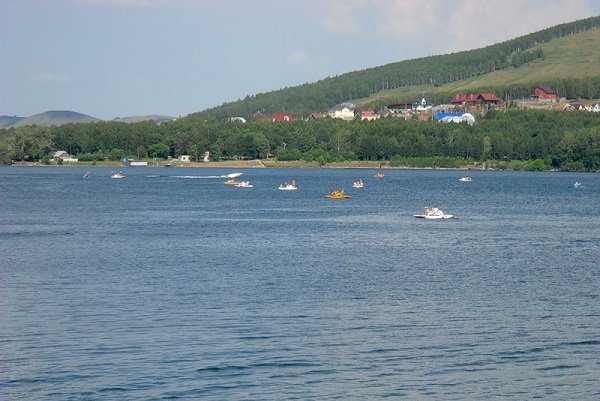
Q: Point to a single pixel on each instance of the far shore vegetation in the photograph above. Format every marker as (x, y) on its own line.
(500, 139)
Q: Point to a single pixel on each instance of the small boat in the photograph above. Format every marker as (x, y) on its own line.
(358, 184)
(379, 175)
(288, 186)
(338, 194)
(578, 184)
(118, 174)
(87, 175)
(231, 181)
(465, 179)
(433, 213)
(244, 184)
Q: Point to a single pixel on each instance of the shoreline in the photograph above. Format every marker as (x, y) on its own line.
(373, 165)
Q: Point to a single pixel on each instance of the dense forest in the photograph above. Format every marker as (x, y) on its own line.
(544, 139)
(434, 70)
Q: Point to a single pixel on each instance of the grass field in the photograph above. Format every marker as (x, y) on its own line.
(576, 56)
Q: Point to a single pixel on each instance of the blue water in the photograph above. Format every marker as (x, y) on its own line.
(169, 285)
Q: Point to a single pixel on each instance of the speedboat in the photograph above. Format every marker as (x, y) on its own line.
(465, 179)
(338, 194)
(578, 184)
(288, 186)
(87, 175)
(379, 175)
(117, 174)
(231, 181)
(244, 184)
(358, 184)
(433, 213)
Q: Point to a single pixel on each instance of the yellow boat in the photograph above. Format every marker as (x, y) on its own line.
(338, 195)
(231, 181)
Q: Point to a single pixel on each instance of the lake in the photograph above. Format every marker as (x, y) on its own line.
(170, 285)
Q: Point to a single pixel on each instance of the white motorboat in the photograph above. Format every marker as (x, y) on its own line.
(578, 184)
(433, 213)
(244, 184)
(465, 179)
(358, 184)
(288, 186)
(117, 175)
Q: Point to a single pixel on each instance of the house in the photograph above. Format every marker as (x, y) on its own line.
(544, 93)
(459, 99)
(424, 102)
(282, 117)
(184, 158)
(366, 114)
(573, 106)
(317, 115)
(400, 107)
(595, 108)
(238, 119)
(261, 117)
(345, 111)
(64, 156)
(488, 98)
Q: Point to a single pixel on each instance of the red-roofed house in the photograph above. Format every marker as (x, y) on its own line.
(471, 98)
(544, 93)
(488, 98)
(366, 114)
(283, 117)
(459, 99)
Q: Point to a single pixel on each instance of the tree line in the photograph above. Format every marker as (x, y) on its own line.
(559, 140)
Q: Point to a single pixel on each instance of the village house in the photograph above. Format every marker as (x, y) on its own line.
(423, 103)
(544, 94)
(595, 108)
(282, 117)
(400, 107)
(345, 111)
(317, 115)
(488, 98)
(184, 158)
(366, 115)
(64, 156)
(574, 106)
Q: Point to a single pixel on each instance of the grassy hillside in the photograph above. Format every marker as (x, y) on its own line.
(555, 56)
(573, 56)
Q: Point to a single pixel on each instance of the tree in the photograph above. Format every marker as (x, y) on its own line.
(160, 150)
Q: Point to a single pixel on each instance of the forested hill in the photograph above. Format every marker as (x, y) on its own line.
(429, 72)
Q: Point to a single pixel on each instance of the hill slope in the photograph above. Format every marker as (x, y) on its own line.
(565, 51)
(48, 118)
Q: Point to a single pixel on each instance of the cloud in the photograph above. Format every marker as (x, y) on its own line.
(339, 16)
(474, 23)
(410, 17)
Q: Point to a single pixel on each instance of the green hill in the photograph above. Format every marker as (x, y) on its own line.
(565, 56)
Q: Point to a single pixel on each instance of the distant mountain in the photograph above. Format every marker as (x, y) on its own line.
(57, 118)
(137, 119)
(47, 119)
(9, 121)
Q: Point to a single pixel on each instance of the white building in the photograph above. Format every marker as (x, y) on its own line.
(64, 156)
(345, 111)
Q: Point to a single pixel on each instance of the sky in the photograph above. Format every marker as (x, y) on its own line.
(120, 58)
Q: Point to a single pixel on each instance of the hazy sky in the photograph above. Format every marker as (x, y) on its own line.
(117, 58)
